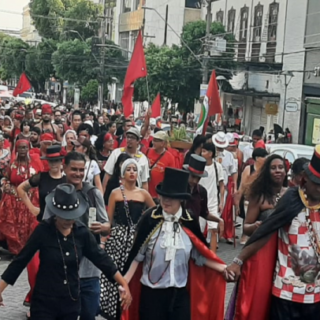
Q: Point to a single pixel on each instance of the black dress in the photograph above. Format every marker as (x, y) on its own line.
(46, 184)
(118, 248)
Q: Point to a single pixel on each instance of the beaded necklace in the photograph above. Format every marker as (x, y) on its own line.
(65, 266)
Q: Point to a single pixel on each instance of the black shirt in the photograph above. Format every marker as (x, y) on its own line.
(198, 203)
(46, 184)
(51, 279)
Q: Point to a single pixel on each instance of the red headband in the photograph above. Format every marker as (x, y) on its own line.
(21, 141)
(107, 137)
(46, 137)
(46, 108)
(19, 117)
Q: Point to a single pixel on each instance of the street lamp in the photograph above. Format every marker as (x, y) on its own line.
(286, 74)
(185, 44)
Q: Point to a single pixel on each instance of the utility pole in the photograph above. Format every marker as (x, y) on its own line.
(206, 58)
(166, 27)
(103, 49)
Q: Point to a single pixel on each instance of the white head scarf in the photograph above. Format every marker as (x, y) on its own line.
(64, 139)
(126, 164)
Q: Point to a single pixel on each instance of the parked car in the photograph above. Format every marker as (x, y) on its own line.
(289, 151)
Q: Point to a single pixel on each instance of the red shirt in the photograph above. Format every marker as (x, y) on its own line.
(146, 142)
(157, 172)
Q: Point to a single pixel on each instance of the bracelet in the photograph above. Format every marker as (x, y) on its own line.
(101, 242)
(237, 261)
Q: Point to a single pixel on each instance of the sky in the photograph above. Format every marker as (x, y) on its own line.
(11, 21)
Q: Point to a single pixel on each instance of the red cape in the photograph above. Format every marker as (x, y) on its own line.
(252, 295)
(206, 286)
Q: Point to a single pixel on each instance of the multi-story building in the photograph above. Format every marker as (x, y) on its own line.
(310, 110)
(28, 32)
(131, 17)
(267, 83)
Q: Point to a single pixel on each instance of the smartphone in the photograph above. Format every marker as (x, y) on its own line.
(92, 216)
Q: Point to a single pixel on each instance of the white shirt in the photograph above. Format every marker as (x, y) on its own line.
(226, 159)
(139, 157)
(210, 183)
(91, 170)
(247, 152)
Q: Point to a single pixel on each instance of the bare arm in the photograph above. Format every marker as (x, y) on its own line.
(111, 206)
(105, 182)
(251, 223)
(215, 265)
(59, 138)
(222, 191)
(22, 190)
(148, 199)
(97, 183)
(130, 273)
(235, 181)
(145, 186)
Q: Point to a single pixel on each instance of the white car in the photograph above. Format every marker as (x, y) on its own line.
(289, 151)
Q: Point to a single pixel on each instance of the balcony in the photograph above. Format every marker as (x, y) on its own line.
(130, 21)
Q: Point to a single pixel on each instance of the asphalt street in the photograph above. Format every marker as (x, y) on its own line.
(14, 296)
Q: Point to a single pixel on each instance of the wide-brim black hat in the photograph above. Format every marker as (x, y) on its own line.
(196, 166)
(53, 153)
(174, 185)
(66, 203)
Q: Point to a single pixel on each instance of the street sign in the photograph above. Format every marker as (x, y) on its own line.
(292, 106)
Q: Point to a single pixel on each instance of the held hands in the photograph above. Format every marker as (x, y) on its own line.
(125, 297)
(232, 272)
(221, 227)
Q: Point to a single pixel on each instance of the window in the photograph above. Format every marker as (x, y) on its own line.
(244, 23)
(273, 21)
(219, 16)
(136, 4)
(231, 19)
(258, 16)
(126, 6)
(124, 43)
(193, 4)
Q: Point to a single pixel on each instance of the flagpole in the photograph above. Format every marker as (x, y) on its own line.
(148, 93)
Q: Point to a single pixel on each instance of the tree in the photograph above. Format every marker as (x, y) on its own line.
(38, 63)
(74, 61)
(53, 18)
(13, 53)
(175, 72)
(89, 92)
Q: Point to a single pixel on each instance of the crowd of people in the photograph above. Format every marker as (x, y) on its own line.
(108, 220)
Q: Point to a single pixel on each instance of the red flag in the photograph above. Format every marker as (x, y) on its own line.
(156, 107)
(214, 102)
(22, 86)
(137, 69)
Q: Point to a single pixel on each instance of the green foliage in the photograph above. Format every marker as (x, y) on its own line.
(89, 92)
(175, 72)
(72, 61)
(13, 53)
(51, 17)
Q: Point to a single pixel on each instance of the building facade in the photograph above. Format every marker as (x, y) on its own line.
(267, 83)
(28, 32)
(310, 110)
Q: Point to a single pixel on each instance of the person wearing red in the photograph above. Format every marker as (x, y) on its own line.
(159, 159)
(46, 126)
(46, 140)
(121, 141)
(147, 139)
(16, 128)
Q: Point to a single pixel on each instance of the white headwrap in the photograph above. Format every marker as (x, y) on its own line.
(126, 164)
(64, 139)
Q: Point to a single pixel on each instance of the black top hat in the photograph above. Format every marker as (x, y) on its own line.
(174, 185)
(312, 169)
(196, 166)
(66, 203)
(53, 153)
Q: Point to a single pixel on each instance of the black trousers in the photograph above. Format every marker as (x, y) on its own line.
(164, 304)
(51, 308)
(287, 310)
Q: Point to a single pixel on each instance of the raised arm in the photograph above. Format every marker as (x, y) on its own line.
(23, 190)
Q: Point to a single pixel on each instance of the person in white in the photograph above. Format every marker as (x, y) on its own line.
(133, 140)
(225, 158)
(214, 184)
(247, 151)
